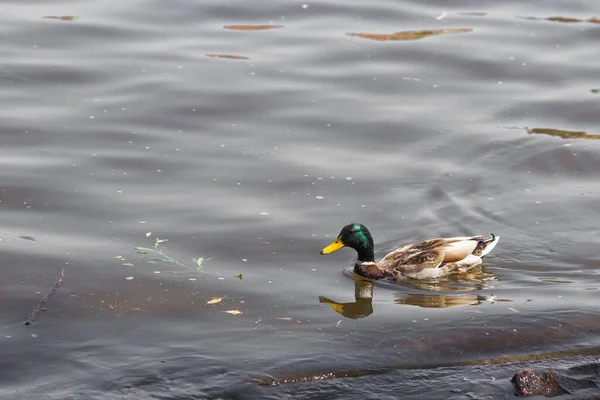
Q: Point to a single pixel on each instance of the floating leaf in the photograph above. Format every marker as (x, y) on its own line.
(513, 310)
(408, 35)
(215, 300)
(148, 234)
(562, 133)
(199, 261)
(127, 264)
(144, 250)
(227, 56)
(239, 276)
(62, 17)
(233, 312)
(118, 257)
(285, 318)
(595, 90)
(161, 240)
(338, 323)
(252, 27)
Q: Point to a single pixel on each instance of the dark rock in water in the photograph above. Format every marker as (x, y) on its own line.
(531, 383)
(552, 383)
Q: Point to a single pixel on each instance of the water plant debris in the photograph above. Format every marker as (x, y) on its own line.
(42, 303)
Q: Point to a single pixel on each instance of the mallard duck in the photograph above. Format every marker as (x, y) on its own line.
(428, 259)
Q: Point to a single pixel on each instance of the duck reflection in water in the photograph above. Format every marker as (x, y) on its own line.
(362, 306)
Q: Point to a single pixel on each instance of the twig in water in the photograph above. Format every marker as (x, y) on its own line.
(34, 313)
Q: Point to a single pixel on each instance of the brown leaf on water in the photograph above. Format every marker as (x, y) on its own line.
(227, 56)
(252, 27)
(503, 301)
(562, 133)
(593, 20)
(591, 288)
(285, 318)
(550, 280)
(127, 264)
(408, 35)
(61, 17)
(215, 300)
(233, 312)
(563, 19)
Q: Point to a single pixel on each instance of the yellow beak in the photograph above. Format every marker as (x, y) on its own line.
(335, 246)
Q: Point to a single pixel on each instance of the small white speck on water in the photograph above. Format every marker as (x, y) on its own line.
(435, 86)
(511, 58)
(252, 73)
(348, 178)
(244, 259)
(314, 269)
(524, 64)
(120, 191)
(129, 278)
(179, 67)
(362, 205)
(319, 197)
(92, 117)
(157, 272)
(33, 335)
(192, 279)
(568, 145)
(222, 145)
(538, 202)
(270, 281)
(305, 6)
(8, 336)
(500, 82)
(221, 278)
(264, 213)
(123, 109)
(142, 222)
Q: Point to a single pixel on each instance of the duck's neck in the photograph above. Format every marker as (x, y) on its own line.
(365, 255)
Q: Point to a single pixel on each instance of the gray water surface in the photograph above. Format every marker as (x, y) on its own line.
(118, 129)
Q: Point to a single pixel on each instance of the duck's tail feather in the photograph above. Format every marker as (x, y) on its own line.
(485, 246)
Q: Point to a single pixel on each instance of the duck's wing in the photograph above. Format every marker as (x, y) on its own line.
(418, 264)
(454, 249)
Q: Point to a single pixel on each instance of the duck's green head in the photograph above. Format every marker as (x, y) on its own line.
(356, 236)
